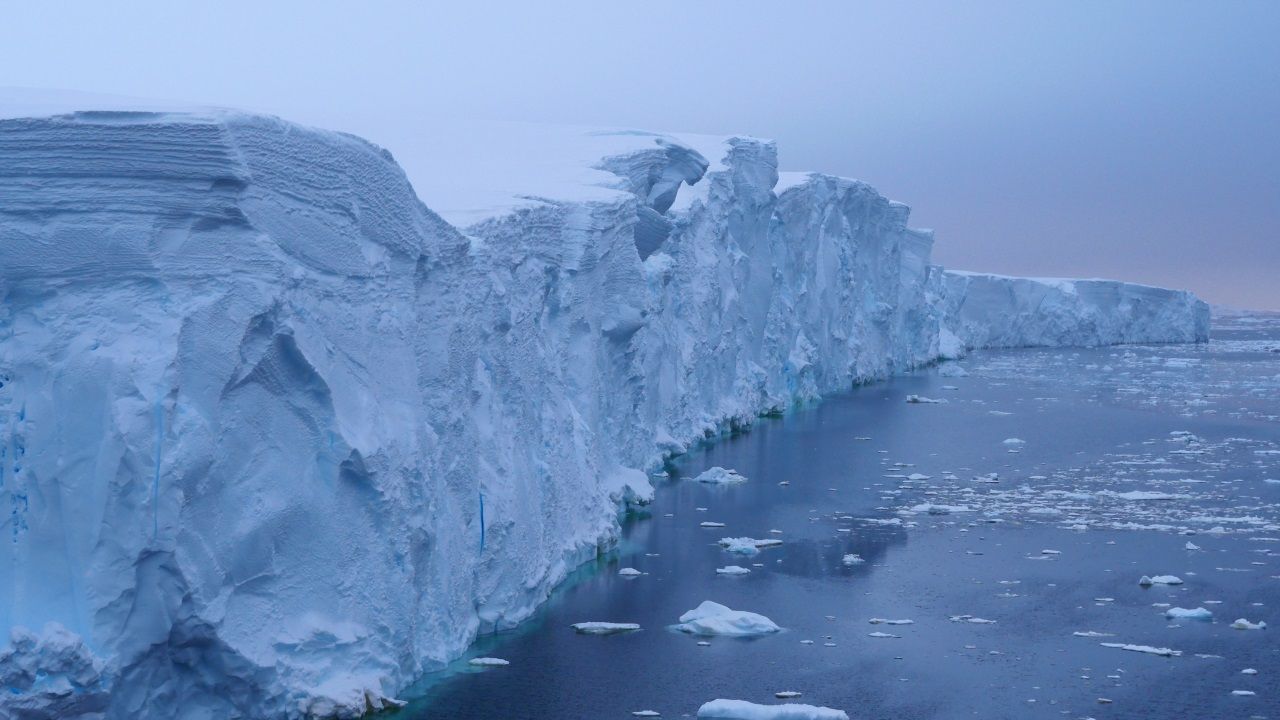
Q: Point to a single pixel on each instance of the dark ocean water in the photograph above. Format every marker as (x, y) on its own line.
(1199, 426)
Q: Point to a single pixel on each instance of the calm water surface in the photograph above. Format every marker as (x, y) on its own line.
(1198, 426)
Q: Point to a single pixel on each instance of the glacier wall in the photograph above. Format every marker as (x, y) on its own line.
(987, 311)
(275, 438)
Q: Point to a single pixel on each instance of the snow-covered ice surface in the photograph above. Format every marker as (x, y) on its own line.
(278, 438)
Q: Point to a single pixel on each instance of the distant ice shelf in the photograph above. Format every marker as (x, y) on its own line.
(276, 438)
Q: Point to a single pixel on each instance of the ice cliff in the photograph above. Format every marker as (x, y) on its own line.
(276, 438)
(983, 311)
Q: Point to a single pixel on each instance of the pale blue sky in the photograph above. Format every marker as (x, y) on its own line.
(1131, 140)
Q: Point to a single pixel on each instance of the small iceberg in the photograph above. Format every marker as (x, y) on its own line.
(1178, 613)
(971, 619)
(732, 570)
(1143, 495)
(1145, 581)
(604, 628)
(743, 710)
(882, 621)
(1243, 624)
(935, 509)
(1162, 652)
(720, 476)
(922, 400)
(746, 545)
(488, 662)
(712, 618)
(852, 559)
(630, 572)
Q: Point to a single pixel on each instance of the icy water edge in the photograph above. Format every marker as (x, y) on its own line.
(1128, 457)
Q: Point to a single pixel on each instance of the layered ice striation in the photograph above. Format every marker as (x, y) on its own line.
(276, 438)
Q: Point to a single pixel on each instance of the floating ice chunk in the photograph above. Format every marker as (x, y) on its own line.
(720, 476)
(712, 618)
(971, 619)
(1163, 652)
(1188, 614)
(1143, 495)
(1192, 546)
(1248, 671)
(1146, 581)
(879, 634)
(732, 570)
(746, 545)
(882, 621)
(934, 509)
(630, 572)
(922, 400)
(604, 628)
(646, 713)
(882, 521)
(488, 662)
(711, 524)
(1243, 624)
(918, 476)
(1092, 634)
(1015, 441)
(786, 694)
(852, 559)
(743, 710)
(1243, 693)
(952, 370)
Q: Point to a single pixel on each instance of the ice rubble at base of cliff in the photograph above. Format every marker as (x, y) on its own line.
(279, 438)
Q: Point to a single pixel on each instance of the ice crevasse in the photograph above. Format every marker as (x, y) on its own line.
(276, 437)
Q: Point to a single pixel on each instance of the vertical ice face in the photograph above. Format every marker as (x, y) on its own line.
(275, 438)
(215, 458)
(761, 299)
(996, 311)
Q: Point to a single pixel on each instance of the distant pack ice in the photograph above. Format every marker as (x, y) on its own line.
(276, 438)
